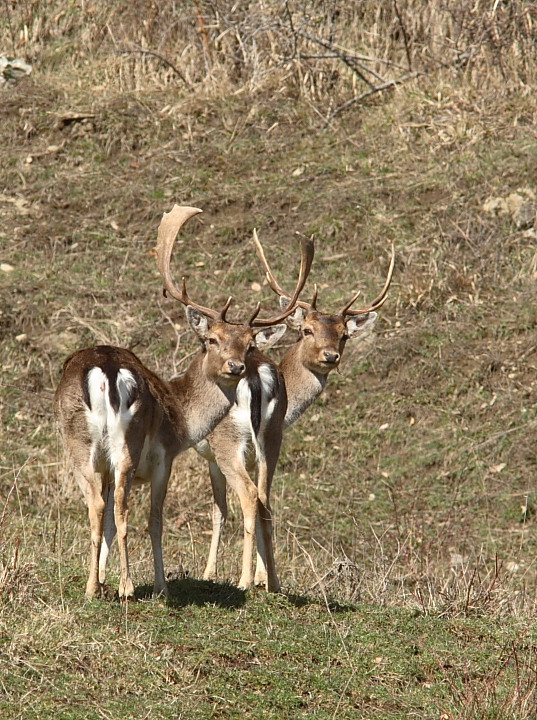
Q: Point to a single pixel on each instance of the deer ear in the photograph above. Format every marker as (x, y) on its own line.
(197, 321)
(296, 318)
(267, 337)
(359, 324)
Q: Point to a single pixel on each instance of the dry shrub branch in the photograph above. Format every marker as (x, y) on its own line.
(333, 53)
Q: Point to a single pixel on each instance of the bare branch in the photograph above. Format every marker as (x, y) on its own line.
(405, 36)
(373, 91)
(145, 51)
(349, 59)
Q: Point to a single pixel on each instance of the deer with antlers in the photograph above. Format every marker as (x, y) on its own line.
(305, 368)
(122, 424)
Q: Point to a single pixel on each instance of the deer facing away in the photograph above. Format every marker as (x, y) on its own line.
(122, 424)
(305, 368)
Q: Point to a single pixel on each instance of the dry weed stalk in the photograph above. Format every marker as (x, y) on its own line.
(485, 696)
(14, 575)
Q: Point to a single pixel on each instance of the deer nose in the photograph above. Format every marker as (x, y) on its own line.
(235, 367)
(331, 357)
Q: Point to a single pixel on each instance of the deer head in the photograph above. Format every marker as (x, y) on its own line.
(226, 344)
(324, 335)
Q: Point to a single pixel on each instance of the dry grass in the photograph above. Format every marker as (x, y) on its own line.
(329, 54)
(409, 487)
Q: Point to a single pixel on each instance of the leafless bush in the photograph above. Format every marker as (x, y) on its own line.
(333, 53)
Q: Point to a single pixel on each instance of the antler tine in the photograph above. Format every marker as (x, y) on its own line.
(223, 311)
(268, 272)
(307, 250)
(168, 229)
(273, 284)
(378, 301)
(346, 307)
(218, 315)
(313, 303)
(254, 315)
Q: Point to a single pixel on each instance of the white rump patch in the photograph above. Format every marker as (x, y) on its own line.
(106, 426)
(117, 423)
(125, 382)
(98, 393)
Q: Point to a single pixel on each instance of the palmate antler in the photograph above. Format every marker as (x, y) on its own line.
(345, 310)
(169, 227)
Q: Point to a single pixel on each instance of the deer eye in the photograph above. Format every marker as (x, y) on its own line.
(212, 341)
(307, 331)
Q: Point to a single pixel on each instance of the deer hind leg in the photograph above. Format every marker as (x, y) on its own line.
(218, 483)
(109, 532)
(123, 480)
(91, 484)
(159, 487)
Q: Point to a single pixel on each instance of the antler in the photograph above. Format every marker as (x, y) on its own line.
(345, 311)
(307, 250)
(168, 229)
(378, 301)
(272, 280)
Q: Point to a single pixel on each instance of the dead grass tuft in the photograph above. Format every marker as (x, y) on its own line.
(17, 579)
(478, 697)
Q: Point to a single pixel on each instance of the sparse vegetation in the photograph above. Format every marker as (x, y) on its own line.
(405, 499)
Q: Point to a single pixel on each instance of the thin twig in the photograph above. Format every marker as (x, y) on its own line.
(374, 91)
(145, 51)
(336, 56)
(292, 27)
(344, 56)
(10, 25)
(326, 601)
(23, 389)
(203, 31)
(496, 436)
(405, 36)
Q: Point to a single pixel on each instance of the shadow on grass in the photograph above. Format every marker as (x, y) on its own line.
(189, 591)
(332, 605)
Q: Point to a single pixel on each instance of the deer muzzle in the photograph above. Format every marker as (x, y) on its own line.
(235, 367)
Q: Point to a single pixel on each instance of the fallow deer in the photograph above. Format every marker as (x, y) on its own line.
(122, 424)
(305, 368)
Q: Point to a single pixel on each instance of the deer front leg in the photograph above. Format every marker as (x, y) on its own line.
(159, 487)
(218, 483)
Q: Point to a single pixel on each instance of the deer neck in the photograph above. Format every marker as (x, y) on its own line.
(201, 401)
(302, 384)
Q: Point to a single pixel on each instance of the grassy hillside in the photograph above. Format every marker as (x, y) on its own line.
(404, 502)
